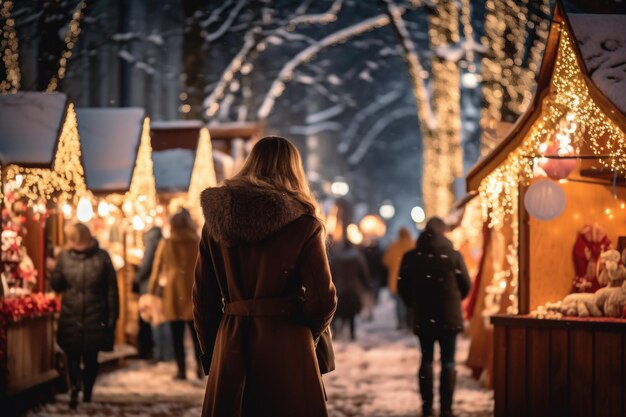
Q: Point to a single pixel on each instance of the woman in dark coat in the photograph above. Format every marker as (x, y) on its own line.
(90, 307)
(263, 292)
(433, 280)
(352, 280)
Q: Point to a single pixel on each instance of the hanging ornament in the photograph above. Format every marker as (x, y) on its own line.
(560, 146)
(545, 200)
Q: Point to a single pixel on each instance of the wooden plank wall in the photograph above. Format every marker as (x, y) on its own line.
(559, 371)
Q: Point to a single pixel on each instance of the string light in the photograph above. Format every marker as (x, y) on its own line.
(66, 177)
(141, 196)
(202, 175)
(71, 38)
(9, 48)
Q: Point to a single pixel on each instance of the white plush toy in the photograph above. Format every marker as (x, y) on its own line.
(610, 299)
(581, 305)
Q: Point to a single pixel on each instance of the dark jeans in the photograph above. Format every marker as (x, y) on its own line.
(178, 336)
(89, 373)
(447, 346)
(145, 343)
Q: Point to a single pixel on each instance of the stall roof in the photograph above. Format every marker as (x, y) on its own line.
(174, 147)
(31, 124)
(601, 39)
(110, 138)
(524, 122)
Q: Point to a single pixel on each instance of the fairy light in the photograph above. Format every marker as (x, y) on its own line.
(66, 176)
(71, 38)
(141, 196)
(9, 48)
(202, 175)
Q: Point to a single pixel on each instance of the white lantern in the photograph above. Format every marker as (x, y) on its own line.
(84, 210)
(545, 200)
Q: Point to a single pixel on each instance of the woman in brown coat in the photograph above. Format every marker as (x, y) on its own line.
(263, 292)
(172, 279)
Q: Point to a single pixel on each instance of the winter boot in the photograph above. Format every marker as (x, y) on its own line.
(74, 397)
(425, 379)
(182, 369)
(446, 390)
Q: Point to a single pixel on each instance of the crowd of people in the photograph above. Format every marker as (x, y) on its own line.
(258, 289)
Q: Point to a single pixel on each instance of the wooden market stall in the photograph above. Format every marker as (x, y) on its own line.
(546, 363)
(41, 170)
(118, 168)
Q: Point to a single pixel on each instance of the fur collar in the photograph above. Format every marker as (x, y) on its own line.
(235, 214)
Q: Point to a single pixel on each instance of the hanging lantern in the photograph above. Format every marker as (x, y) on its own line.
(373, 226)
(544, 200)
(84, 210)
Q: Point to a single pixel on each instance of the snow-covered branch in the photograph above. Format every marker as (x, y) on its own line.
(211, 37)
(378, 128)
(286, 73)
(322, 18)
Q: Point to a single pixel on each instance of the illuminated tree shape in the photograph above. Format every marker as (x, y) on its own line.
(202, 175)
(142, 188)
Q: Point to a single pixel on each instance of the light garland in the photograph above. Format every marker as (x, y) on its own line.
(9, 49)
(142, 191)
(71, 38)
(202, 175)
(66, 177)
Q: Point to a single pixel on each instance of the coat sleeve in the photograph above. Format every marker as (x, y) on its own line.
(57, 278)
(156, 268)
(207, 303)
(405, 281)
(320, 301)
(113, 299)
(462, 276)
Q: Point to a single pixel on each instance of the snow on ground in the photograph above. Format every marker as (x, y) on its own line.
(375, 377)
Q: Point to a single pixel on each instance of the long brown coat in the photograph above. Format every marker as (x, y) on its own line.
(263, 293)
(174, 263)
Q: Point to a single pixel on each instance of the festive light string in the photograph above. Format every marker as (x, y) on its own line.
(70, 41)
(570, 94)
(203, 174)
(66, 178)
(141, 196)
(9, 48)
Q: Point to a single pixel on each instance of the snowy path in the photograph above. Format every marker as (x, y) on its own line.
(375, 377)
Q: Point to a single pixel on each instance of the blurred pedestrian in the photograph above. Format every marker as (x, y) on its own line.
(352, 280)
(392, 259)
(151, 239)
(172, 281)
(373, 254)
(84, 274)
(434, 280)
(263, 295)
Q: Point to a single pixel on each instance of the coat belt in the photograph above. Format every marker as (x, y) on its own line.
(261, 307)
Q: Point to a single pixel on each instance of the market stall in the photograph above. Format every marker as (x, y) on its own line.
(183, 164)
(119, 173)
(554, 200)
(42, 171)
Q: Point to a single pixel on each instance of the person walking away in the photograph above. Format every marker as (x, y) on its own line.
(392, 259)
(84, 274)
(433, 281)
(172, 280)
(263, 292)
(351, 278)
(145, 340)
(373, 253)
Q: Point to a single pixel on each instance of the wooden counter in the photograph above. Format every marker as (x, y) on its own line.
(568, 367)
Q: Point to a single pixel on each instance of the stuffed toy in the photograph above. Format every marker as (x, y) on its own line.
(580, 305)
(611, 272)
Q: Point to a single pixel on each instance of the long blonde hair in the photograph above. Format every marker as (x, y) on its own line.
(275, 163)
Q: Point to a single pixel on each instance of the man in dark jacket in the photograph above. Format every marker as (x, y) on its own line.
(85, 275)
(151, 239)
(433, 280)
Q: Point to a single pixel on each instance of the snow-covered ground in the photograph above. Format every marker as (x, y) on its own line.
(375, 377)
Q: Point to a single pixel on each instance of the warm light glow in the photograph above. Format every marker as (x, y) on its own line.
(19, 179)
(84, 210)
(66, 209)
(354, 234)
(103, 209)
(418, 215)
(387, 210)
(372, 226)
(340, 188)
(138, 223)
(202, 176)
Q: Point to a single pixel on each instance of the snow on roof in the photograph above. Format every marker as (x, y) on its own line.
(602, 41)
(30, 125)
(177, 124)
(109, 141)
(172, 169)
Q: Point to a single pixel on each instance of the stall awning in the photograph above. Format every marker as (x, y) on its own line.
(110, 139)
(174, 147)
